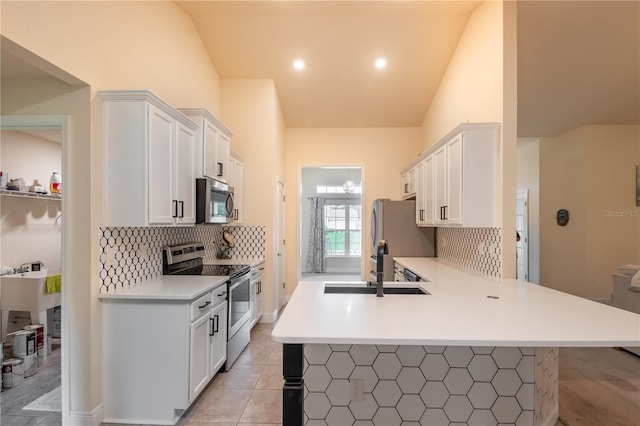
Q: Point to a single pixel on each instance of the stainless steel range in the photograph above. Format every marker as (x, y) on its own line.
(186, 259)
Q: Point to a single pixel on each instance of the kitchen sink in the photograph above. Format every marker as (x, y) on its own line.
(342, 289)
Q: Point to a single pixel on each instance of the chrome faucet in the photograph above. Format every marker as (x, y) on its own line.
(382, 250)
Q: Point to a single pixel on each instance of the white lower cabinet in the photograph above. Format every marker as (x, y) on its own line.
(158, 355)
(199, 348)
(218, 339)
(256, 302)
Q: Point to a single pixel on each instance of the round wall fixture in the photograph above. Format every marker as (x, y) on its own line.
(562, 217)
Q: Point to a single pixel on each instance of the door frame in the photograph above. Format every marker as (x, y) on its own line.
(522, 195)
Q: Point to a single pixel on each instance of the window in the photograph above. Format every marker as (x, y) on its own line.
(324, 189)
(343, 228)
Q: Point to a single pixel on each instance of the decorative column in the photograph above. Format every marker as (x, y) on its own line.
(293, 389)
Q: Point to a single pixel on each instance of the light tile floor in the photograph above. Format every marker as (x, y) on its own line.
(250, 394)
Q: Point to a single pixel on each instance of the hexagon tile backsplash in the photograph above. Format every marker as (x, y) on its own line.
(131, 256)
(430, 385)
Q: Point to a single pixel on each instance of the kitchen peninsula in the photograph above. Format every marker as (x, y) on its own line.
(476, 350)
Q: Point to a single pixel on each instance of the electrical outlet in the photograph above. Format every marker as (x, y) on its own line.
(111, 255)
(357, 389)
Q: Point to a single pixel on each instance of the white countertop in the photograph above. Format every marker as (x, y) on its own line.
(458, 312)
(167, 288)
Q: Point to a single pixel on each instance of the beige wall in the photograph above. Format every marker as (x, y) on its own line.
(589, 171)
(252, 111)
(471, 89)
(106, 45)
(381, 152)
(30, 229)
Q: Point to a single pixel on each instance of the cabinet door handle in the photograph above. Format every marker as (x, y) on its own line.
(175, 208)
(445, 212)
(181, 208)
(222, 294)
(421, 214)
(207, 303)
(406, 188)
(220, 169)
(214, 325)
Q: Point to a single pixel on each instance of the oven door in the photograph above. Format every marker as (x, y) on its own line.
(239, 303)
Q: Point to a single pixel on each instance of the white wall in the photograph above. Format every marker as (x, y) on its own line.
(30, 229)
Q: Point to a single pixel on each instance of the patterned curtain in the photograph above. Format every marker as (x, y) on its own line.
(316, 257)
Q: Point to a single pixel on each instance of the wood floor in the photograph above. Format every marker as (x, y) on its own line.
(598, 387)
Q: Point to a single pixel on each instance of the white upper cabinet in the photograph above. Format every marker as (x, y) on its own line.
(424, 192)
(409, 184)
(213, 143)
(148, 168)
(456, 179)
(236, 180)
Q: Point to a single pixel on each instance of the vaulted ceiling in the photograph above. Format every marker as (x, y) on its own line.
(578, 61)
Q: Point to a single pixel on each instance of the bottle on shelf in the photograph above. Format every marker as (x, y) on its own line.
(55, 184)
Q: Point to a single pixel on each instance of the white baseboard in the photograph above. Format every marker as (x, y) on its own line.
(87, 418)
(553, 417)
(269, 317)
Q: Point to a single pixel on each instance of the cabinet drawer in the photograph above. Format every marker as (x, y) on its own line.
(201, 306)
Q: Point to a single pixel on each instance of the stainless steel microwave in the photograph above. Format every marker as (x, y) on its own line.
(214, 201)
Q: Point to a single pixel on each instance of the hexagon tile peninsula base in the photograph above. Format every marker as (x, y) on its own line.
(430, 385)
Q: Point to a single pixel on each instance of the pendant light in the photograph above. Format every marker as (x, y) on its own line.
(349, 186)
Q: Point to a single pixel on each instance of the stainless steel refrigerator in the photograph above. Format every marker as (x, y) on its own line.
(395, 221)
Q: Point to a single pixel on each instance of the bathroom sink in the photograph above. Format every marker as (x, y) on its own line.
(27, 291)
(345, 289)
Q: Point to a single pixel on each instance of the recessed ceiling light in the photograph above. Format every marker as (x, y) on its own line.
(380, 63)
(298, 64)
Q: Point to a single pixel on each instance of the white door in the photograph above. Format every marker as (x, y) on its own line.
(280, 241)
(210, 155)
(420, 201)
(522, 228)
(199, 357)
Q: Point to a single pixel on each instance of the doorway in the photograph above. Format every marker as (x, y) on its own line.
(331, 239)
(32, 233)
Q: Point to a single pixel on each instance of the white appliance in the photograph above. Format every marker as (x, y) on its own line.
(395, 221)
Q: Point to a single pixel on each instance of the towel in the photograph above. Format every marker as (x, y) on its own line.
(54, 283)
(635, 282)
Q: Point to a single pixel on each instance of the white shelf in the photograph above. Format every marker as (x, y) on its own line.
(23, 194)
